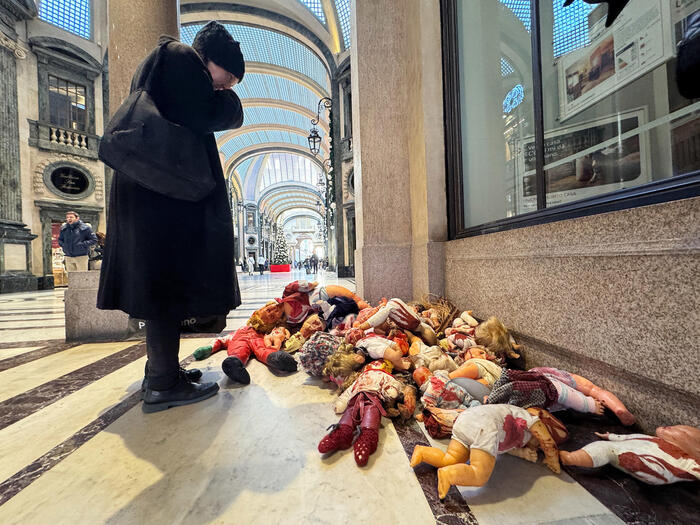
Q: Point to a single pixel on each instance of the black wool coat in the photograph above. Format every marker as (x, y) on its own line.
(167, 258)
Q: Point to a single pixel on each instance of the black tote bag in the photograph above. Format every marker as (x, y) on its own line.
(146, 147)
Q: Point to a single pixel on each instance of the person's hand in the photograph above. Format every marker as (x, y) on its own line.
(602, 435)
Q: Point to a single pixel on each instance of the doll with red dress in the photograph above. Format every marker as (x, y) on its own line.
(248, 340)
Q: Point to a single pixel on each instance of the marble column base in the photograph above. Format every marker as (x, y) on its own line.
(17, 282)
(384, 271)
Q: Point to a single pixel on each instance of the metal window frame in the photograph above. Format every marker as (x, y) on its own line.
(666, 190)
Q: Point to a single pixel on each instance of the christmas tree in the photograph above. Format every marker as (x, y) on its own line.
(280, 249)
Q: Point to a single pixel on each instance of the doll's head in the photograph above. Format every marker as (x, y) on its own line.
(312, 325)
(684, 437)
(421, 375)
(476, 352)
(342, 366)
(294, 343)
(353, 336)
(266, 318)
(494, 336)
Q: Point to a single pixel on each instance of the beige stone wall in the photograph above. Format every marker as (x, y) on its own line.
(614, 297)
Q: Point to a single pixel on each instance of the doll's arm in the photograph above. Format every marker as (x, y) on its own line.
(214, 346)
(622, 437)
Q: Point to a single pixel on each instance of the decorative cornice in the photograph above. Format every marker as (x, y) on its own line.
(19, 9)
(13, 46)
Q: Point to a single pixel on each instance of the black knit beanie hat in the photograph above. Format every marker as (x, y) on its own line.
(213, 42)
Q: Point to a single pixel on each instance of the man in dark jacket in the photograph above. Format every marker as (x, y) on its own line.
(168, 259)
(75, 239)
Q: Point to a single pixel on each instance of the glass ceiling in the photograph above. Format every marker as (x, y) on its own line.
(316, 8)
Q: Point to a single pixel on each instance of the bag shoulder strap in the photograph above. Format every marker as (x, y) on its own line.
(147, 76)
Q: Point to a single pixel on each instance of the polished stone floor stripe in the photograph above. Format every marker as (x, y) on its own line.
(30, 375)
(56, 312)
(33, 334)
(453, 509)
(15, 484)
(26, 403)
(49, 427)
(7, 353)
(247, 455)
(37, 353)
(22, 344)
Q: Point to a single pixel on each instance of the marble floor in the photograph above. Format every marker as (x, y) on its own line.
(76, 447)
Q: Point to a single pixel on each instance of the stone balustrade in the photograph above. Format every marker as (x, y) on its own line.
(47, 136)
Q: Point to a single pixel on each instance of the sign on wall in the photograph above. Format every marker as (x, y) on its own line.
(586, 160)
(639, 40)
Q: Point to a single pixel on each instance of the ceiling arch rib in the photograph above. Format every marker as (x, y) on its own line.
(303, 212)
(298, 207)
(259, 149)
(292, 199)
(265, 137)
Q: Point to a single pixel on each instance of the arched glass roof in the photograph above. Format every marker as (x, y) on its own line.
(316, 8)
(288, 215)
(262, 137)
(343, 9)
(286, 167)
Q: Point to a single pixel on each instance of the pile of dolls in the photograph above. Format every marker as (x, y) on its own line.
(460, 377)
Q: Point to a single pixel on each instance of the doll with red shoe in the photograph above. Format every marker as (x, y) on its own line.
(363, 404)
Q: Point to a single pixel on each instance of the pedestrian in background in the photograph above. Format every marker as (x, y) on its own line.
(75, 239)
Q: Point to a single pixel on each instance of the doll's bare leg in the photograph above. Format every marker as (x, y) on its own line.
(456, 453)
(476, 474)
(577, 458)
(468, 370)
(609, 399)
(547, 445)
(526, 453)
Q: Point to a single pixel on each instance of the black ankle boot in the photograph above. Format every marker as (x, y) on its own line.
(234, 368)
(183, 393)
(282, 361)
(193, 375)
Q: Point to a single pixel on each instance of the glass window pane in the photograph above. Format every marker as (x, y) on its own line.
(497, 118)
(71, 15)
(613, 117)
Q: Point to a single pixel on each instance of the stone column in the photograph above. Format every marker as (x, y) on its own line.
(134, 28)
(15, 239)
(397, 147)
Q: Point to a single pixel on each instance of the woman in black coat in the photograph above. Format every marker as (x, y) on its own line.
(168, 259)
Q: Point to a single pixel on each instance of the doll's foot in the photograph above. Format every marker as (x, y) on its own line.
(444, 483)
(202, 352)
(234, 368)
(365, 446)
(282, 361)
(339, 439)
(552, 462)
(599, 408)
(417, 456)
(625, 417)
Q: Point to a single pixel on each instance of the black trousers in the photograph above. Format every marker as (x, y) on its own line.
(162, 348)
